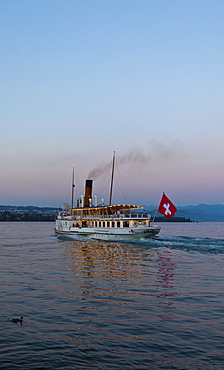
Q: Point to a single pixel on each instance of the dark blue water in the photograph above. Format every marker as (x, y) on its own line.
(151, 304)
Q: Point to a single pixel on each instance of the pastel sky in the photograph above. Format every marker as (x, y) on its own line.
(81, 79)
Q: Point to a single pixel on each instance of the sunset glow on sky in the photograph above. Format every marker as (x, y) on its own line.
(82, 79)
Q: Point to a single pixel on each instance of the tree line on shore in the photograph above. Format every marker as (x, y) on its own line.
(173, 219)
(9, 216)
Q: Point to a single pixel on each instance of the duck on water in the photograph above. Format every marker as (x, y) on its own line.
(104, 222)
(16, 321)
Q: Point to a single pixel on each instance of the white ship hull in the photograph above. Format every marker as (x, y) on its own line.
(109, 234)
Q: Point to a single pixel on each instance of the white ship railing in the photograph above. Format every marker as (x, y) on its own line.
(111, 217)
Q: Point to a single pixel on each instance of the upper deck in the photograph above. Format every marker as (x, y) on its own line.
(102, 211)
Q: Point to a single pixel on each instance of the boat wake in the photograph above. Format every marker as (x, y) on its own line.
(71, 237)
(185, 243)
(202, 245)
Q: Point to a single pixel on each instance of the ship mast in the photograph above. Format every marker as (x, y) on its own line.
(73, 187)
(112, 180)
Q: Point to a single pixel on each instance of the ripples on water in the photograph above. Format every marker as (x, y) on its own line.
(151, 304)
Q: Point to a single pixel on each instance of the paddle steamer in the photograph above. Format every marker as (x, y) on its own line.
(104, 222)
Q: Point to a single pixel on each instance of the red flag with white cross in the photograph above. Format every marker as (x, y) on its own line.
(166, 207)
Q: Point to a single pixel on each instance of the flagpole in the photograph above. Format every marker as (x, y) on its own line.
(73, 186)
(157, 209)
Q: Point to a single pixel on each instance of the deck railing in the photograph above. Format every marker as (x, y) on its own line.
(110, 217)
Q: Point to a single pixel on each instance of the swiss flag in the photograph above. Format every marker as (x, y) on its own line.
(166, 207)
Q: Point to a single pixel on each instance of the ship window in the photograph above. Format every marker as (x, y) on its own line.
(99, 223)
(126, 224)
(113, 223)
(108, 223)
(95, 223)
(103, 223)
(118, 224)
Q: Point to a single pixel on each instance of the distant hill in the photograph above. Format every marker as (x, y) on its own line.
(200, 213)
(29, 209)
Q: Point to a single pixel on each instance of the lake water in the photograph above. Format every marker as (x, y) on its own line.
(151, 304)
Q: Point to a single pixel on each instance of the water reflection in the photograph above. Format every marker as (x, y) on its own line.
(166, 279)
(121, 277)
(107, 277)
(114, 289)
(111, 259)
(102, 292)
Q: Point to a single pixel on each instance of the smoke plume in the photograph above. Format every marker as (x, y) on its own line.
(99, 170)
(137, 160)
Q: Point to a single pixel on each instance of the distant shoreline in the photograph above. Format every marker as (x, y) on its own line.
(25, 217)
(199, 213)
(7, 216)
(173, 219)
